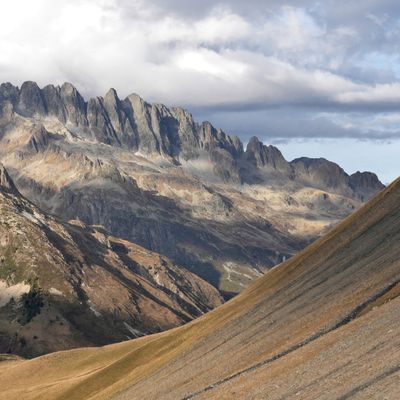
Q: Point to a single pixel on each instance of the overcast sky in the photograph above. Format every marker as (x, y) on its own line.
(318, 78)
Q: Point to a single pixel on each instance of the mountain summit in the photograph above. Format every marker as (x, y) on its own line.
(154, 129)
(153, 176)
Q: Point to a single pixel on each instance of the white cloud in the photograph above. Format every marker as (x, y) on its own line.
(212, 63)
(304, 69)
(372, 94)
(223, 57)
(222, 26)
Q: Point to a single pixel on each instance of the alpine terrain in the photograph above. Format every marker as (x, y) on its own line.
(152, 176)
(323, 325)
(65, 285)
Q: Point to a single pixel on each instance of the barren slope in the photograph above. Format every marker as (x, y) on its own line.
(323, 325)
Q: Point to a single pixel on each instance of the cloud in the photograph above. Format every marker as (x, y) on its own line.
(324, 66)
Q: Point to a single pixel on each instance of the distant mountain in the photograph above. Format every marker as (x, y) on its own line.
(152, 175)
(64, 285)
(323, 325)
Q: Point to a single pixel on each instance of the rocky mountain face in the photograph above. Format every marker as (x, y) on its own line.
(152, 175)
(65, 285)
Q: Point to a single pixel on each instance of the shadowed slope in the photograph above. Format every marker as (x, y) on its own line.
(68, 285)
(310, 328)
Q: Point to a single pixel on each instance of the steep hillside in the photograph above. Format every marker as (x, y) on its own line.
(324, 324)
(152, 175)
(64, 285)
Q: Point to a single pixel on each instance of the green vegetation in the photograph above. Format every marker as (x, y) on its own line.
(32, 301)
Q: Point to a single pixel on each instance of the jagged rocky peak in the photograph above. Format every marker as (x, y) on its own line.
(9, 92)
(31, 100)
(155, 130)
(74, 104)
(321, 171)
(211, 138)
(262, 155)
(112, 94)
(120, 120)
(365, 184)
(183, 116)
(143, 120)
(237, 143)
(136, 104)
(70, 92)
(112, 104)
(208, 135)
(132, 122)
(6, 183)
(9, 95)
(54, 102)
(64, 102)
(365, 179)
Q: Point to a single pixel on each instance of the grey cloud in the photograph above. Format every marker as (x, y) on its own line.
(250, 62)
(196, 9)
(287, 123)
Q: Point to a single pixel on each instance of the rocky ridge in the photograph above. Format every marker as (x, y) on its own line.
(152, 175)
(151, 129)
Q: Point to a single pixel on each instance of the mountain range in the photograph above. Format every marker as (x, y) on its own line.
(151, 175)
(321, 325)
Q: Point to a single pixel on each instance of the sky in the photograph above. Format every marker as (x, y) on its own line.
(315, 78)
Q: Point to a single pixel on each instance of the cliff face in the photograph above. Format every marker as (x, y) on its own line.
(152, 175)
(155, 130)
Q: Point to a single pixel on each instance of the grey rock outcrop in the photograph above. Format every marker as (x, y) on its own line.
(321, 172)
(327, 174)
(40, 139)
(266, 156)
(153, 130)
(9, 92)
(365, 183)
(6, 183)
(31, 102)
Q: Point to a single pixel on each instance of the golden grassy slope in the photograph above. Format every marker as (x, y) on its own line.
(322, 325)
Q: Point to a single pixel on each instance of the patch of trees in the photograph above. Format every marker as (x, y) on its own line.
(32, 302)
